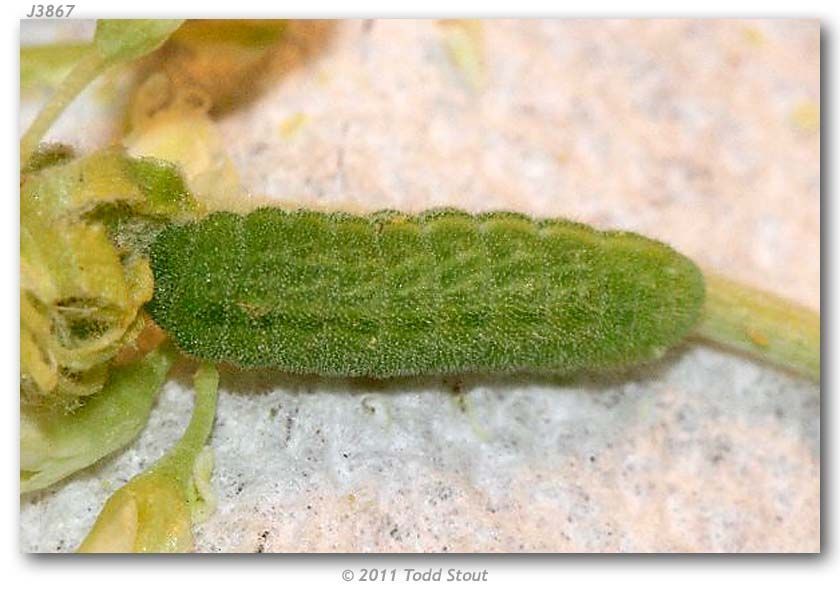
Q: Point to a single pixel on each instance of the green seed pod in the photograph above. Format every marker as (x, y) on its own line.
(441, 292)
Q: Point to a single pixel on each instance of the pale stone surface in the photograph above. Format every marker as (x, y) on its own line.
(694, 132)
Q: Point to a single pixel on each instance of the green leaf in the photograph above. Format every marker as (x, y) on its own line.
(54, 444)
(49, 64)
(120, 40)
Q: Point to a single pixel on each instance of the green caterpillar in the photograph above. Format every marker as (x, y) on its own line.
(442, 292)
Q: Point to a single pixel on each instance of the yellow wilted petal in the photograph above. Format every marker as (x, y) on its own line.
(182, 133)
(83, 283)
(115, 529)
(149, 514)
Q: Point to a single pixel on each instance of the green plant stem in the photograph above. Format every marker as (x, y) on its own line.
(761, 325)
(180, 459)
(85, 71)
(49, 64)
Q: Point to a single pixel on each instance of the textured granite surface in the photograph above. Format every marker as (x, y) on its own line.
(704, 134)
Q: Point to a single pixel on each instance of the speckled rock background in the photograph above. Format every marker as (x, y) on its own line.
(702, 133)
